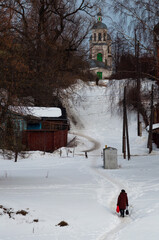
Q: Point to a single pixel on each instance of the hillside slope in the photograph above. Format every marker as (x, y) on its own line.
(94, 111)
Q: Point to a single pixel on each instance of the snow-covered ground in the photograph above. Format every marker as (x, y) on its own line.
(71, 188)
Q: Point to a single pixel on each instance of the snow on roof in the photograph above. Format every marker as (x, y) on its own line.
(154, 126)
(38, 111)
(45, 111)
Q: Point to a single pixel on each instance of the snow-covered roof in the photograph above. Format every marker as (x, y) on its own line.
(45, 111)
(154, 126)
(38, 111)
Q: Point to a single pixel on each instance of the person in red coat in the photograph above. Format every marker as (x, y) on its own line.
(122, 202)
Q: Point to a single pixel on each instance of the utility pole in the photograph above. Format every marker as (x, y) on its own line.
(149, 145)
(124, 133)
(125, 128)
(137, 50)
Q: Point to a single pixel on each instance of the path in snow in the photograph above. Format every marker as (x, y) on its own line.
(117, 186)
(96, 144)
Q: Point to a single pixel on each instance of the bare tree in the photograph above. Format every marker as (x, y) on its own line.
(41, 51)
(47, 39)
(140, 16)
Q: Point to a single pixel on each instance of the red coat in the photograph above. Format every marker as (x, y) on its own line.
(122, 200)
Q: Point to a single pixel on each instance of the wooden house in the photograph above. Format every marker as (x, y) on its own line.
(43, 129)
(47, 129)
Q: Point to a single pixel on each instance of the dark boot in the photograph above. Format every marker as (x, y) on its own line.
(121, 212)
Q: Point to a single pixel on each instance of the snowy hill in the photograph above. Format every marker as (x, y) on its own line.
(94, 111)
(51, 188)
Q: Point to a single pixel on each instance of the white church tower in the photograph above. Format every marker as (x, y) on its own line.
(100, 49)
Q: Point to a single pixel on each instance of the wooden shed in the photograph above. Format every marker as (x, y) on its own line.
(42, 128)
(46, 129)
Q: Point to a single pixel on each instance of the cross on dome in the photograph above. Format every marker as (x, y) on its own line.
(99, 16)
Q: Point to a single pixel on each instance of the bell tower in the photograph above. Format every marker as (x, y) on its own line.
(100, 44)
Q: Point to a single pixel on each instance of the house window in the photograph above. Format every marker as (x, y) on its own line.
(95, 37)
(33, 126)
(99, 36)
(99, 57)
(99, 74)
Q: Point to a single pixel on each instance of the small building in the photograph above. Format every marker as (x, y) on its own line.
(156, 113)
(155, 128)
(43, 128)
(100, 50)
(48, 132)
(155, 134)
